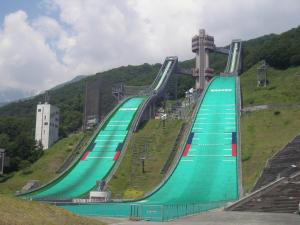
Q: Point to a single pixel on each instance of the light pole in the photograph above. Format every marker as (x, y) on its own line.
(143, 164)
(2, 157)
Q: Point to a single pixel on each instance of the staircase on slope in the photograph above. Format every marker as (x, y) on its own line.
(282, 164)
(278, 188)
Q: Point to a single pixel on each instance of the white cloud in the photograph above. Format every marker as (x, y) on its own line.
(91, 35)
(27, 62)
(117, 32)
(106, 33)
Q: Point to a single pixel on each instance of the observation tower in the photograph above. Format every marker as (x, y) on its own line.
(202, 45)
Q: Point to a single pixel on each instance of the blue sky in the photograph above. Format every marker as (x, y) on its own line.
(40, 47)
(32, 7)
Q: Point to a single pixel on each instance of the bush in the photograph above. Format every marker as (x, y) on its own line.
(246, 157)
(295, 60)
(25, 167)
(5, 177)
(251, 101)
(24, 164)
(133, 193)
(27, 171)
(276, 113)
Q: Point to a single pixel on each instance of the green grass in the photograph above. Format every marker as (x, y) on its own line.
(45, 168)
(129, 181)
(283, 87)
(20, 212)
(265, 132)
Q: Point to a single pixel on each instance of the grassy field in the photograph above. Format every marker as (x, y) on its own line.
(129, 181)
(20, 212)
(266, 132)
(45, 168)
(283, 87)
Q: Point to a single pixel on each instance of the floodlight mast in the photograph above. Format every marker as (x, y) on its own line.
(2, 158)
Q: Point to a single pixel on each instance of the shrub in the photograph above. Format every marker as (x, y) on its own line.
(276, 113)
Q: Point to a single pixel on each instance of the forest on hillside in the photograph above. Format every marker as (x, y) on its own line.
(17, 119)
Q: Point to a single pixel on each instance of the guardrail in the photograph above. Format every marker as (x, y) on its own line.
(268, 162)
(167, 212)
(239, 152)
(238, 57)
(254, 194)
(176, 145)
(153, 94)
(70, 158)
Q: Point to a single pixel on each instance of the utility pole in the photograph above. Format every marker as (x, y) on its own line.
(2, 158)
(143, 164)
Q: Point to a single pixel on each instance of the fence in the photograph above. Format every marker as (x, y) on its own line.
(169, 212)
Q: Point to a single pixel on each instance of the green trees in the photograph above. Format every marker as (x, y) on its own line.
(279, 51)
(17, 137)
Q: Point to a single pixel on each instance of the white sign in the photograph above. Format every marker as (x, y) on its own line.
(221, 90)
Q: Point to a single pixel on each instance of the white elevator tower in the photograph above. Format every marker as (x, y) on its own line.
(47, 124)
(202, 44)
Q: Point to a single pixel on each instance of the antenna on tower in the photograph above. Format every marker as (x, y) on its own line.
(46, 97)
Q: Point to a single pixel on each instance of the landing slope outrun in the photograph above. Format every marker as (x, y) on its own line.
(207, 170)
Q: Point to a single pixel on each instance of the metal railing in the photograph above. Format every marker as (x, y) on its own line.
(136, 90)
(152, 94)
(79, 147)
(239, 143)
(268, 163)
(254, 194)
(167, 212)
(174, 150)
(237, 66)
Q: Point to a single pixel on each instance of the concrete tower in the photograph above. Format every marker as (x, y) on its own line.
(202, 44)
(47, 124)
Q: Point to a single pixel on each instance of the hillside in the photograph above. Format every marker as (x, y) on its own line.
(282, 89)
(280, 51)
(12, 94)
(265, 132)
(43, 169)
(16, 211)
(17, 119)
(154, 142)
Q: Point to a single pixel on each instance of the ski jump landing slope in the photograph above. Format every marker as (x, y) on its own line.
(206, 174)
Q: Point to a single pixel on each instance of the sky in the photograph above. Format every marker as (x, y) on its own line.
(47, 42)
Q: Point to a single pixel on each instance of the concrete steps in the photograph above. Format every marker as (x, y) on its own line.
(278, 188)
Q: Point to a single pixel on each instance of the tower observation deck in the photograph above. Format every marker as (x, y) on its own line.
(202, 45)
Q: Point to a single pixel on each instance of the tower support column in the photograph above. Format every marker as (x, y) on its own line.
(202, 45)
